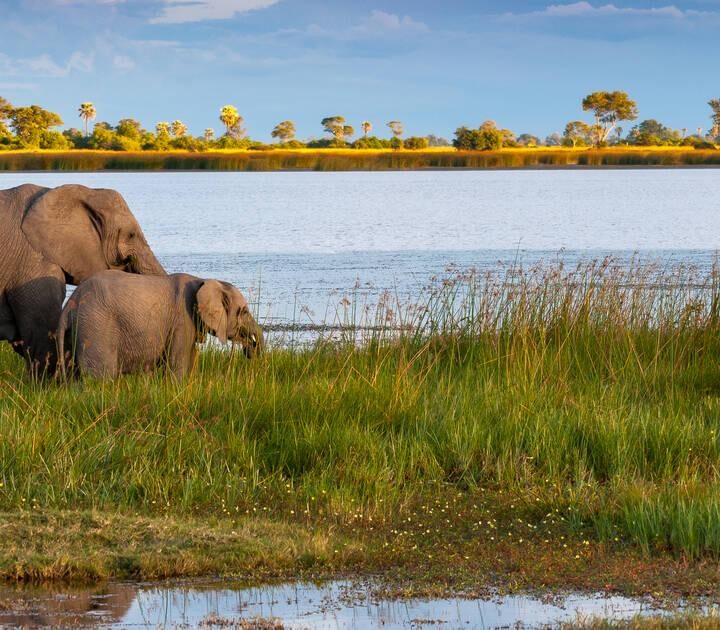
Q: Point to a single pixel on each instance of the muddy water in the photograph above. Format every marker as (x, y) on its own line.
(339, 604)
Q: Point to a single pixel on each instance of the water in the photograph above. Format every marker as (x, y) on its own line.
(339, 604)
(298, 243)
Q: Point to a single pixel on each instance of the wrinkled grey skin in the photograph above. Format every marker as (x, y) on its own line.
(117, 323)
(50, 236)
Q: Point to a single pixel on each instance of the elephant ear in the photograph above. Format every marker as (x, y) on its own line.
(64, 225)
(212, 305)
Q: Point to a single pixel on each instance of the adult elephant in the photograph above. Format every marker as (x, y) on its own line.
(50, 236)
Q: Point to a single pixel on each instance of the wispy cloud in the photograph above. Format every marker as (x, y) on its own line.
(382, 23)
(586, 9)
(378, 24)
(45, 66)
(123, 63)
(182, 11)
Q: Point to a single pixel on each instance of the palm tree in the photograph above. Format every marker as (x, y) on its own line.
(209, 134)
(396, 127)
(366, 126)
(229, 117)
(178, 128)
(87, 112)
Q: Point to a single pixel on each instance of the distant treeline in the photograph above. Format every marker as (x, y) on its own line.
(328, 160)
(34, 127)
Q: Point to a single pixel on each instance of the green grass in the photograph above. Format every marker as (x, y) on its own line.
(346, 160)
(591, 394)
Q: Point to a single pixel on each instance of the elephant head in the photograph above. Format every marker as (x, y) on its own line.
(85, 230)
(224, 311)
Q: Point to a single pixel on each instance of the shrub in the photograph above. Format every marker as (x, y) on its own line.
(415, 143)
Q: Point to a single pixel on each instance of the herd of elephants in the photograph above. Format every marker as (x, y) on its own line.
(126, 314)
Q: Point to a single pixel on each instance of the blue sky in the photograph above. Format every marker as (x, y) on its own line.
(433, 64)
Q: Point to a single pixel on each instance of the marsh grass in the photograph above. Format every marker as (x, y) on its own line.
(592, 393)
(351, 159)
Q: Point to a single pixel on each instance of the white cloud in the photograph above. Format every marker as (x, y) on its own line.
(586, 9)
(45, 66)
(180, 11)
(85, 2)
(377, 24)
(381, 23)
(123, 63)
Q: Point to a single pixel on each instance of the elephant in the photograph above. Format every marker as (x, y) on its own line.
(117, 323)
(53, 236)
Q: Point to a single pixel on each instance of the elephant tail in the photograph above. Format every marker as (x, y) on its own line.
(62, 331)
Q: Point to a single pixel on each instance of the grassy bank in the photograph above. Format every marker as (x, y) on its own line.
(352, 159)
(567, 418)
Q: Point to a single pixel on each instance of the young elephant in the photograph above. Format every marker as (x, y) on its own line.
(118, 323)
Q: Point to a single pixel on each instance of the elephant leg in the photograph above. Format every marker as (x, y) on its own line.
(8, 329)
(181, 354)
(96, 346)
(36, 306)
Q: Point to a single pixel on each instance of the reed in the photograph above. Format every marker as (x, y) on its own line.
(589, 392)
(349, 160)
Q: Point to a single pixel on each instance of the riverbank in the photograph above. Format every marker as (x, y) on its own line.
(354, 159)
(549, 427)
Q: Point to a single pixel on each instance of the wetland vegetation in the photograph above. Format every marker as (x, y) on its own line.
(549, 427)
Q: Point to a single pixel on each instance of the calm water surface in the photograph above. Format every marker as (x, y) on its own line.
(300, 242)
(299, 605)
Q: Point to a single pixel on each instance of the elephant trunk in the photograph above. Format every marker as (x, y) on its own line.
(146, 264)
(254, 344)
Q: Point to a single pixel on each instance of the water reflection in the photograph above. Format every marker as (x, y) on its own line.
(340, 604)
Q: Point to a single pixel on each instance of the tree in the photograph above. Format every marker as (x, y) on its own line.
(577, 132)
(178, 128)
(652, 133)
(162, 129)
(129, 128)
(609, 108)
(87, 112)
(284, 130)
(5, 109)
(209, 134)
(335, 126)
(554, 140)
(415, 143)
(715, 106)
(366, 126)
(32, 123)
(486, 138)
(230, 117)
(528, 140)
(436, 141)
(396, 127)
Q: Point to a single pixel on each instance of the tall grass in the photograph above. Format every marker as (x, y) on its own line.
(346, 160)
(593, 390)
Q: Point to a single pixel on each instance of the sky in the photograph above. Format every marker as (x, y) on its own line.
(434, 65)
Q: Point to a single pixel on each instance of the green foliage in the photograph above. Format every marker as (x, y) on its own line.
(577, 133)
(652, 133)
(436, 141)
(335, 126)
(416, 143)
(284, 131)
(232, 120)
(130, 128)
(528, 140)
(396, 143)
(609, 108)
(590, 392)
(31, 124)
(486, 138)
(371, 142)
